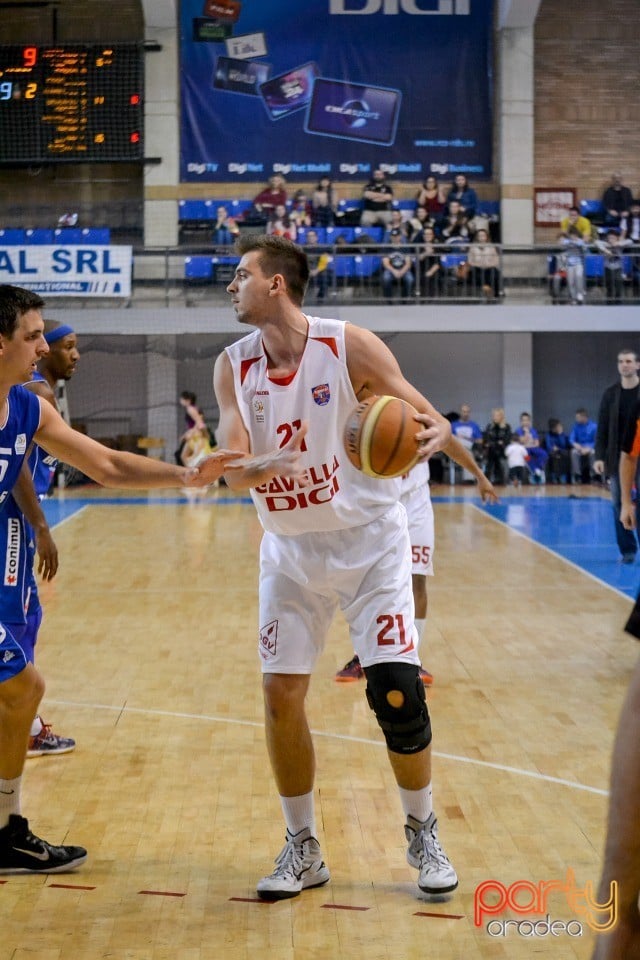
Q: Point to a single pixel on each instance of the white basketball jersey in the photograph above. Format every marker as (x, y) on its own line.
(320, 391)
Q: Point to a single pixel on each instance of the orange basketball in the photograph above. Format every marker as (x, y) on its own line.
(380, 437)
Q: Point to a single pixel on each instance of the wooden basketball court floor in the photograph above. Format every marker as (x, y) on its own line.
(149, 651)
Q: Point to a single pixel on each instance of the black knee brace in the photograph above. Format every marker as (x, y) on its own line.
(396, 695)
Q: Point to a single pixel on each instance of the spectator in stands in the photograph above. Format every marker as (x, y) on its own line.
(417, 224)
(430, 265)
(616, 200)
(575, 221)
(464, 194)
(397, 272)
(225, 229)
(377, 199)
(630, 225)
(396, 223)
(468, 432)
(431, 195)
(301, 210)
(612, 248)
(454, 229)
(319, 261)
(323, 202)
(518, 461)
(496, 438)
(536, 453)
(273, 195)
(556, 443)
(484, 260)
(583, 440)
(280, 224)
(570, 265)
(617, 406)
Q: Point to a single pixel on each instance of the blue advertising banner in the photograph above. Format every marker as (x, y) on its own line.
(68, 271)
(335, 88)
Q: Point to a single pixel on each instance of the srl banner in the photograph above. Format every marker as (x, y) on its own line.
(68, 271)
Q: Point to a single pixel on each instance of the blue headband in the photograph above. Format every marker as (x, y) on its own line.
(58, 333)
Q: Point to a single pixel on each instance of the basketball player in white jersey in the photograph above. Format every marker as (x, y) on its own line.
(332, 537)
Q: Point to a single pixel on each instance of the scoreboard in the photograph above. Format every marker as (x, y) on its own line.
(71, 103)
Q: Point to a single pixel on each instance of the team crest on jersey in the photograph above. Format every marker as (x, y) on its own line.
(258, 409)
(321, 394)
(269, 640)
(21, 443)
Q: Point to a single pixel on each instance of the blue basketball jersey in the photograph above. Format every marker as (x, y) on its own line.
(41, 464)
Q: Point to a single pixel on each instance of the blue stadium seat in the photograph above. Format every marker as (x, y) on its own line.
(366, 265)
(195, 211)
(594, 265)
(592, 209)
(39, 235)
(97, 236)
(347, 206)
(343, 266)
(71, 235)
(198, 268)
(224, 268)
(332, 234)
(237, 208)
(12, 236)
(376, 233)
(403, 204)
(451, 260)
(490, 208)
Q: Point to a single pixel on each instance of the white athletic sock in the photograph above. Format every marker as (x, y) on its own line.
(417, 803)
(36, 726)
(9, 799)
(299, 812)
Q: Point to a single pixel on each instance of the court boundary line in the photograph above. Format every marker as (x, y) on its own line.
(179, 715)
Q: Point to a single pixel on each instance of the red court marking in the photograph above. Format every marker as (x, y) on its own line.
(440, 916)
(161, 893)
(69, 886)
(341, 906)
(251, 900)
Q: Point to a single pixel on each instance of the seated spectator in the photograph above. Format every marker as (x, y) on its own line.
(431, 274)
(496, 438)
(557, 445)
(319, 261)
(397, 272)
(616, 200)
(417, 223)
(583, 440)
(273, 195)
(431, 196)
(225, 229)
(396, 223)
(537, 455)
(468, 431)
(612, 248)
(570, 266)
(280, 224)
(301, 210)
(517, 461)
(630, 225)
(323, 203)
(464, 194)
(575, 221)
(484, 261)
(479, 221)
(454, 229)
(377, 199)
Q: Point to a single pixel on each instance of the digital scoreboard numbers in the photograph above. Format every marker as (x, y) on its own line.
(71, 103)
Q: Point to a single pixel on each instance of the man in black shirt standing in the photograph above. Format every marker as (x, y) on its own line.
(616, 407)
(377, 199)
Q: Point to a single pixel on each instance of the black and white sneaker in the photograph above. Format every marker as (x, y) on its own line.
(299, 865)
(437, 876)
(22, 852)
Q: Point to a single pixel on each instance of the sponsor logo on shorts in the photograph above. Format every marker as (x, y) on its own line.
(13, 553)
(269, 640)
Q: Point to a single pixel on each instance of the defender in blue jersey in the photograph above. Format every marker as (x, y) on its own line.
(25, 418)
(20, 607)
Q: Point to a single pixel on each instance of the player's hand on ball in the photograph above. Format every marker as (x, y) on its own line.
(435, 435)
(212, 468)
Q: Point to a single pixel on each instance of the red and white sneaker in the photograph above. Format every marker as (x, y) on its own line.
(350, 672)
(47, 743)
